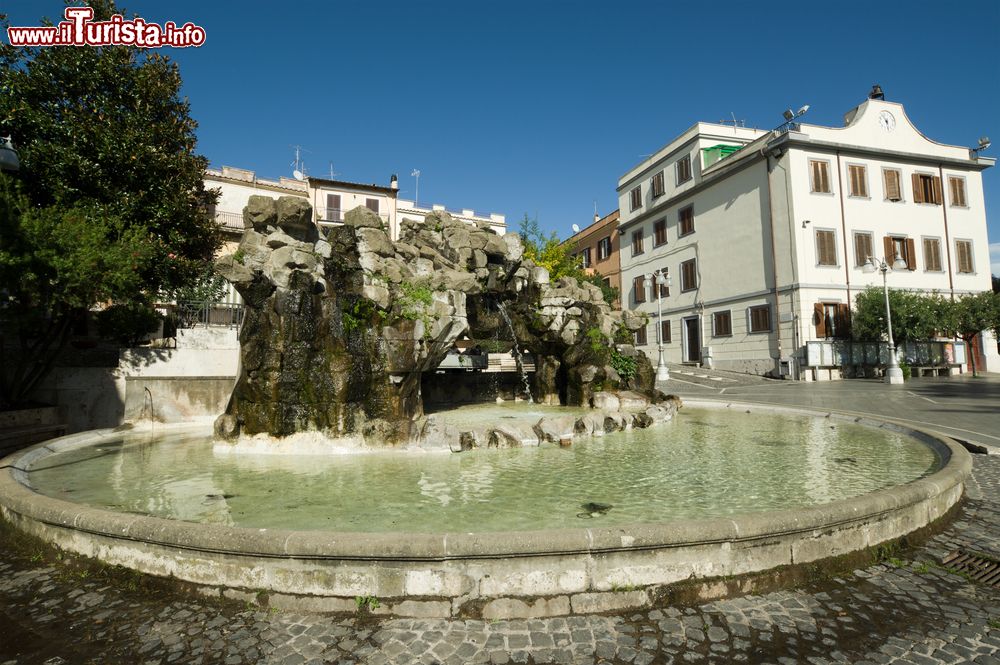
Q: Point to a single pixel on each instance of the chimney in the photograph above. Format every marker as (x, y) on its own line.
(394, 181)
(597, 218)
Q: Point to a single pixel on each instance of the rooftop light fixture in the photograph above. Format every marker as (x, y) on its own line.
(8, 156)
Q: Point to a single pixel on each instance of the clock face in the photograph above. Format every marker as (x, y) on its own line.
(886, 121)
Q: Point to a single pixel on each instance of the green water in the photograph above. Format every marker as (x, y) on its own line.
(706, 463)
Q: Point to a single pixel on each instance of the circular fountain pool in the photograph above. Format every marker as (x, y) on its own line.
(718, 491)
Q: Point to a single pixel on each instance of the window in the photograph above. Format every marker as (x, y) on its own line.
(585, 258)
(684, 169)
(635, 197)
(833, 320)
(760, 319)
(640, 336)
(957, 188)
(857, 176)
(722, 324)
(862, 248)
(902, 247)
(639, 289)
(658, 184)
(332, 208)
(660, 233)
(372, 204)
(826, 247)
(637, 243)
(926, 188)
(665, 331)
(819, 176)
(963, 251)
(892, 181)
(932, 254)
(689, 275)
(685, 221)
(604, 248)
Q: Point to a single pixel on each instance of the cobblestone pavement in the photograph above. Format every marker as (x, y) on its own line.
(908, 609)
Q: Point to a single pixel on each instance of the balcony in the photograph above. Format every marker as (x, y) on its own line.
(230, 221)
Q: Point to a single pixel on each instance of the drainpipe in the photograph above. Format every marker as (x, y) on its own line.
(774, 254)
(947, 240)
(843, 231)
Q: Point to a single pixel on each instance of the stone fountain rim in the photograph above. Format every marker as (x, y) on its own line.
(19, 501)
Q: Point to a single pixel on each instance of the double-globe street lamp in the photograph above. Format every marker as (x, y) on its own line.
(8, 156)
(662, 278)
(893, 373)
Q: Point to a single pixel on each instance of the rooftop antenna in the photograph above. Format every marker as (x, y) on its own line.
(331, 171)
(298, 166)
(416, 197)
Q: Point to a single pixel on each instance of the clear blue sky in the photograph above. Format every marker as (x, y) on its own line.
(539, 106)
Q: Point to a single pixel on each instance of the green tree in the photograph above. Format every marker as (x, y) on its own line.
(548, 251)
(555, 256)
(914, 316)
(109, 204)
(969, 315)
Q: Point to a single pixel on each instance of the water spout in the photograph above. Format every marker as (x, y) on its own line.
(517, 352)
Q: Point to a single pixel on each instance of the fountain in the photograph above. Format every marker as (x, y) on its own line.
(342, 335)
(517, 352)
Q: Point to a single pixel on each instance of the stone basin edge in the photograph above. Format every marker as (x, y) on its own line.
(18, 500)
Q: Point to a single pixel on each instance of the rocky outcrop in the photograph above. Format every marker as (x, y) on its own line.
(339, 327)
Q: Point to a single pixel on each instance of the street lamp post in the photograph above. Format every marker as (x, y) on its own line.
(893, 373)
(661, 278)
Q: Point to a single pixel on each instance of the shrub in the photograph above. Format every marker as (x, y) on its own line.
(128, 323)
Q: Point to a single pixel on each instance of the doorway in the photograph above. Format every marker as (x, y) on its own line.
(692, 339)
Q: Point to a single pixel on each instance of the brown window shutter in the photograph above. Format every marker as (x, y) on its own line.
(819, 318)
(843, 320)
(937, 189)
(911, 255)
(892, 186)
(665, 331)
(890, 250)
(918, 189)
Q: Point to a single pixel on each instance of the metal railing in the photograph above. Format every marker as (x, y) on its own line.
(230, 221)
(193, 314)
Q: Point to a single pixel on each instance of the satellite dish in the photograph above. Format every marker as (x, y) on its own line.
(576, 229)
(297, 174)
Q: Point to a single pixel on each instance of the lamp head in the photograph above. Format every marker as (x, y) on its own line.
(898, 263)
(8, 156)
(789, 115)
(869, 266)
(648, 281)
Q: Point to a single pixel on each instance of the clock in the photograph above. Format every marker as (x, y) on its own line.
(886, 121)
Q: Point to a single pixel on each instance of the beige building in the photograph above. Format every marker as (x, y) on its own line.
(597, 246)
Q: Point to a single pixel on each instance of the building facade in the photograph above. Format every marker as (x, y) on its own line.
(597, 247)
(330, 199)
(765, 234)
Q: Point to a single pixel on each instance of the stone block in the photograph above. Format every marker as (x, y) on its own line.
(516, 608)
(592, 603)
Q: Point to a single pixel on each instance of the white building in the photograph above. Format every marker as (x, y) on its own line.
(765, 233)
(330, 199)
